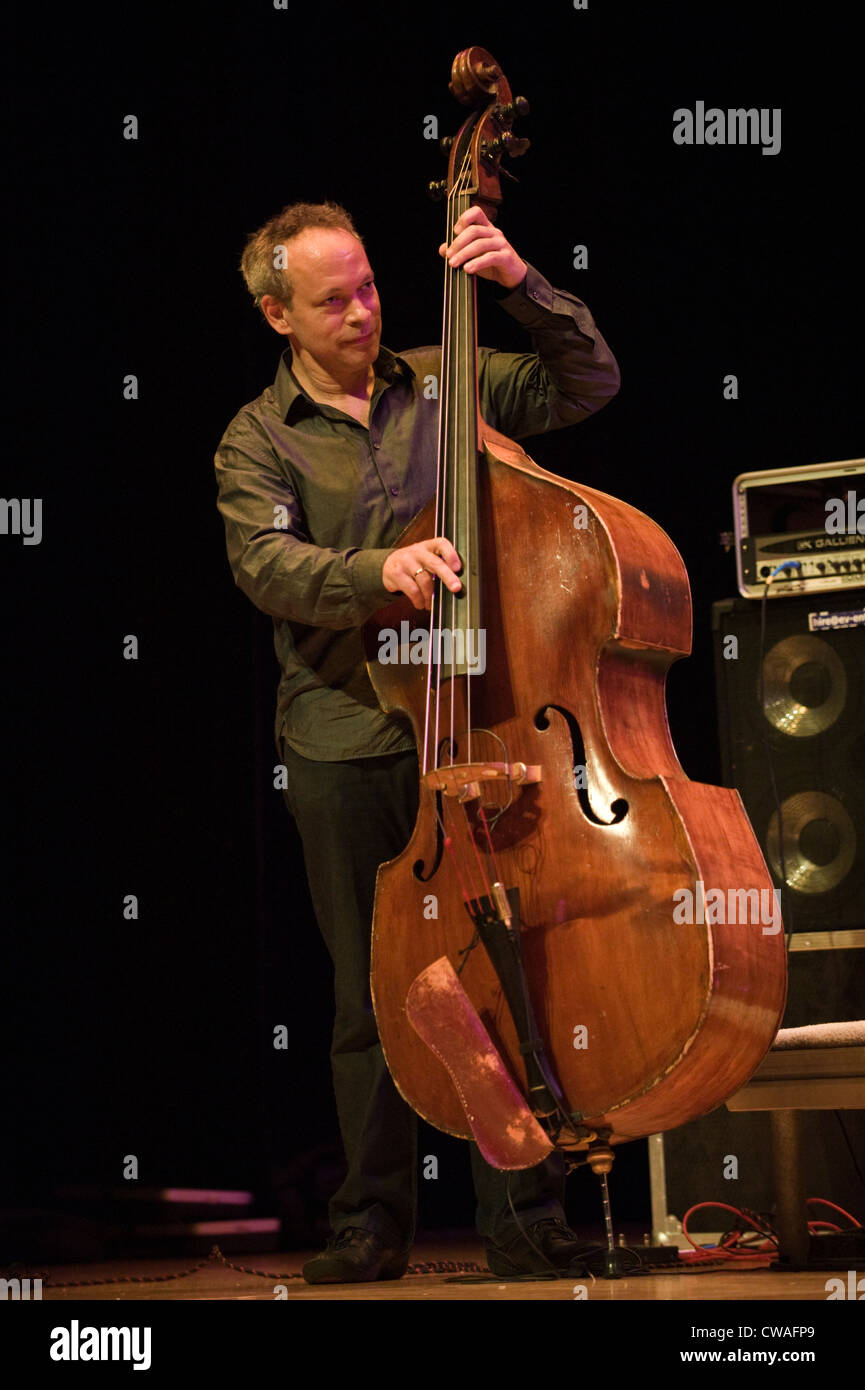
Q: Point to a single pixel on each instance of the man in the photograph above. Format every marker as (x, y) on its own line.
(317, 477)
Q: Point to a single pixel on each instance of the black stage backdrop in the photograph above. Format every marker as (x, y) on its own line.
(152, 1034)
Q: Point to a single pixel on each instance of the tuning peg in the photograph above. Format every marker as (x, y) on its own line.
(437, 189)
(518, 107)
(446, 144)
(506, 143)
(491, 149)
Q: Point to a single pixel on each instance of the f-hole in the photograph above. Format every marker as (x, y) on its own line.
(419, 869)
(618, 808)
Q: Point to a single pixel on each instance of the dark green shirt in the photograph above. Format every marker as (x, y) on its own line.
(313, 503)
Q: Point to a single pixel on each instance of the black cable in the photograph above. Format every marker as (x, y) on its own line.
(787, 913)
(591, 1248)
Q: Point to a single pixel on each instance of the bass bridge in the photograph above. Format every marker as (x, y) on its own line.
(464, 781)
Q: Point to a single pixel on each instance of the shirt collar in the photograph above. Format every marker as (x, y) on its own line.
(293, 402)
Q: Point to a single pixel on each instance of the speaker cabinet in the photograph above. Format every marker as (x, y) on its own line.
(803, 741)
(802, 749)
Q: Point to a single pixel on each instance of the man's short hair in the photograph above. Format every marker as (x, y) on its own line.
(259, 263)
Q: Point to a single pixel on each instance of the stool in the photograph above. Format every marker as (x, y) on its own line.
(821, 1067)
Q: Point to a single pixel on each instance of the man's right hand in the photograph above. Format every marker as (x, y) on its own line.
(410, 571)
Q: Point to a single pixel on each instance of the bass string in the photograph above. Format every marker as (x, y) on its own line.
(441, 492)
(458, 386)
(455, 837)
(456, 301)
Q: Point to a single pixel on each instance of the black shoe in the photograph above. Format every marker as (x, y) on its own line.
(356, 1256)
(559, 1251)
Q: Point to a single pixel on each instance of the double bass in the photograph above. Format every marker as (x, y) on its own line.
(533, 982)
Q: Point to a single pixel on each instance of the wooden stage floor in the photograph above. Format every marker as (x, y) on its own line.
(266, 1277)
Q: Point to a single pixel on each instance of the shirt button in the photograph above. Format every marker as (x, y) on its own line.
(394, 492)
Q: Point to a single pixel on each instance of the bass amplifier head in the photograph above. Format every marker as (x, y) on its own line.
(810, 521)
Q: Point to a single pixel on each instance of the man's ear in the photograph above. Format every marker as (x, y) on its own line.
(276, 313)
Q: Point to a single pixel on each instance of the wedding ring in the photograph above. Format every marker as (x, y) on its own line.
(417, 572)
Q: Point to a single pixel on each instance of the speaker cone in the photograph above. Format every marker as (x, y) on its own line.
(804, 686)
(819, 842)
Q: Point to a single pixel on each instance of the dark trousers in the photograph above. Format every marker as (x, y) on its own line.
(352, 816)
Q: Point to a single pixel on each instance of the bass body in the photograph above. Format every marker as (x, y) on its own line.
(648, 1020)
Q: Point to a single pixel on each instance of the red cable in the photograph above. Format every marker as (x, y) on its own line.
(823, 1203)
(723, 1248)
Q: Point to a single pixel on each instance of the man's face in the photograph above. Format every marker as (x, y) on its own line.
(335, 315)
